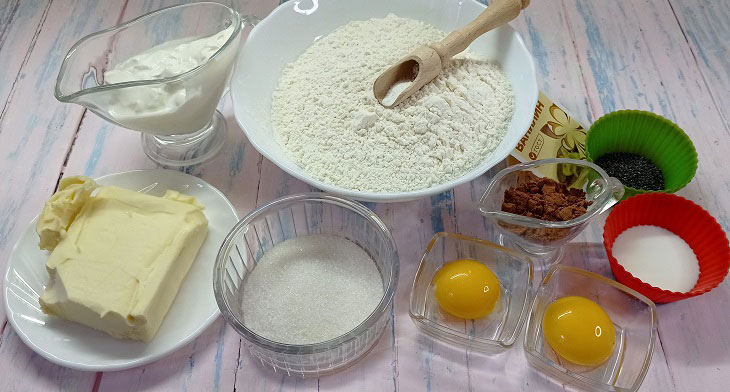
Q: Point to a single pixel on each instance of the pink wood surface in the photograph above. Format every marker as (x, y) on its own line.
(592, 57)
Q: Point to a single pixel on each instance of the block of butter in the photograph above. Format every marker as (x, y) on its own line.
(118, 256)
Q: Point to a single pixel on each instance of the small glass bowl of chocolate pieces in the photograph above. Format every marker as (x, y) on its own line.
(536, 208)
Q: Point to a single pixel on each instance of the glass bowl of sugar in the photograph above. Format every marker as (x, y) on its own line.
(307, 281)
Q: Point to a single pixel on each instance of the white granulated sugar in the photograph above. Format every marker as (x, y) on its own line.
(326, 117)
(311, 289)
(658, 257)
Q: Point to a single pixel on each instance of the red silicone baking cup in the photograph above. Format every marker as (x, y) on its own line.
(682, 217)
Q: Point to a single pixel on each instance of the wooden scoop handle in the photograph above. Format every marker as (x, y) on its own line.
(498, 12)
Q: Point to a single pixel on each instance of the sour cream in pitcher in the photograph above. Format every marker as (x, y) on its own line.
(175, 107)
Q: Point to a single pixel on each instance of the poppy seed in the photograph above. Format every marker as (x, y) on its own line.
(632, 170)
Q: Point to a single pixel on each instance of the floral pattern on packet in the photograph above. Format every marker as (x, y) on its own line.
(558, 135)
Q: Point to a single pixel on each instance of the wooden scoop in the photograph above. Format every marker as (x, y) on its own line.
(425, 63)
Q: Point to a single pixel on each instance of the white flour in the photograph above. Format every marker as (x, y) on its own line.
(395, 90)
(325, 116)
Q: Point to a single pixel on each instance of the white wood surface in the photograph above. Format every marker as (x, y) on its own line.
(592, 57)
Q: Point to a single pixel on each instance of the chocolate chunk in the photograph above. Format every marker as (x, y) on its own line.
(545, 199)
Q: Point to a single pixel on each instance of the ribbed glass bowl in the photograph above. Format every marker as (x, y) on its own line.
(296, 216)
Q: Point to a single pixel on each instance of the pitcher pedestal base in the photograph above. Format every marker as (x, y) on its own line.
(186, 150)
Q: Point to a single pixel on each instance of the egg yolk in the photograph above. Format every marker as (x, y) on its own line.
(579, 331)
(466, 289)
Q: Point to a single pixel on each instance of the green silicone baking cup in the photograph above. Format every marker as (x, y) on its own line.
(649, 135)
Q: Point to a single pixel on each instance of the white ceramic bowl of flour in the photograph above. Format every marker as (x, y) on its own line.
(291, 28)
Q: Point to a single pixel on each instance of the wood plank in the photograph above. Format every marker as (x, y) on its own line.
(636, 57)
(25, 371)
(546, 32)
(199, 366)
(20, 23)
(705, 26)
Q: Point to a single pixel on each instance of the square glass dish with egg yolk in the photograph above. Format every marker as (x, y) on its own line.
(492, 333)
(632, 315)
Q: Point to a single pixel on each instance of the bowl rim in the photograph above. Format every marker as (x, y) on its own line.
(236, 22)
(627, 112)
(653, 333)
(389, 197)
(303, 349)
(650, 289)
(604, 196)
(438, 331)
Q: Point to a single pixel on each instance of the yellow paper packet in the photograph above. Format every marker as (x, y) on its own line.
(553, 134)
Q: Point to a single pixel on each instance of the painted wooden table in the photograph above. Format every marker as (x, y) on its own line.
(593, 56)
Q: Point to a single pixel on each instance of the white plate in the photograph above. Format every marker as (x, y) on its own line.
(79, 347)
(292, 27)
